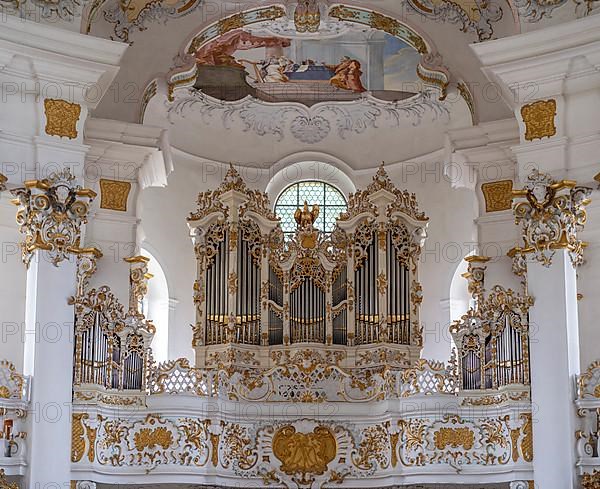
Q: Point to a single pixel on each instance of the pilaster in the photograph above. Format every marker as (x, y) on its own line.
(123, 160)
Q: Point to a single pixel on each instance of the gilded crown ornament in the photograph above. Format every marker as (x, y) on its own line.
(551, 215)
(50, 215)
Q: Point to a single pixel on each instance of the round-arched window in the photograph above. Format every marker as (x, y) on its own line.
(330, 200)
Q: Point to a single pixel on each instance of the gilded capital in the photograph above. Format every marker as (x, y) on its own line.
(50, 215)
(551, 213)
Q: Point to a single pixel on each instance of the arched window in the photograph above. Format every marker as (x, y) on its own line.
(330, 200)
(156, 308)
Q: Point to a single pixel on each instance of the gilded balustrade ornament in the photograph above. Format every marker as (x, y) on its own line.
(551, 216)
(305, 452)
(50, 215)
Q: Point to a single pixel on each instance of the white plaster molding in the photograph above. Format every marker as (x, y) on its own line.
(141, 153)
(60, 57)
(536, 64)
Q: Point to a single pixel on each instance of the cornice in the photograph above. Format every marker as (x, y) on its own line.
(71, 60)
(139, 152)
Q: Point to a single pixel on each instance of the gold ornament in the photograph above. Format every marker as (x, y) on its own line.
(304, 453)
(61, 118)
(591, 480)
(454, 437)
(498, 195)
(50, 215)
(4, 484)
(539, 119)
(150, 438)
(551, 217)
(114, 194)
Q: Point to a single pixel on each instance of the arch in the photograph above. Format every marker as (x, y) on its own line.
(459, 300)
(156, 307)
(296, 169)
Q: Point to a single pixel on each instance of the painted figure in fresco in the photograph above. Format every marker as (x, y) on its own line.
(347, 75)
(274, 70)
(220, 51)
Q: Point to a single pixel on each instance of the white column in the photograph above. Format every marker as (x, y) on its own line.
(49, 359)
(554, 355)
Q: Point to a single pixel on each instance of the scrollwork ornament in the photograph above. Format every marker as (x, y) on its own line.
(50, 215)
(551, 217)
(519, 485)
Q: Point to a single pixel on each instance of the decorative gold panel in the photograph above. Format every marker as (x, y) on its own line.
(454, 437)
(539, 119)
(498, 195)
(61, 118)
(114, 194)
(304, 453)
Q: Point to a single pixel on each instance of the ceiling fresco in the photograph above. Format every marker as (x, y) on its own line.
(309, 74)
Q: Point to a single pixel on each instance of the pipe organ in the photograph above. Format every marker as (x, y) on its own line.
(112, 344)
(492, 339)
(352, 288)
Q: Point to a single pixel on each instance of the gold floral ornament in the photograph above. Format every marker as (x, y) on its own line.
(3, 181)
(50, 215)
(61, 118)
(304, 453)
(538, 118)
(550, 217)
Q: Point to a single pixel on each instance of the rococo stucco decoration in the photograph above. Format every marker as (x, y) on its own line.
(311, 125)
(61, 118)
(50, 215)
(134, 15)
(551, 217)
(304, 453)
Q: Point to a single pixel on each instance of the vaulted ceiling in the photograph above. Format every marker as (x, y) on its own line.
(182, 71)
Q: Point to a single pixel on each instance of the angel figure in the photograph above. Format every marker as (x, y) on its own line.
(305, 217)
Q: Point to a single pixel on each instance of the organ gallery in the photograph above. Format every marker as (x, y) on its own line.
(299, 245)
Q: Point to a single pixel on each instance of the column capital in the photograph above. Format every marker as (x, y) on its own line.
(50, 215)
(551, 216)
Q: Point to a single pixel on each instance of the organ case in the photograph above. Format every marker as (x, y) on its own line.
(349, 290)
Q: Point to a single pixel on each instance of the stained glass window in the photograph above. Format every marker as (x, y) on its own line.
(330, 200)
